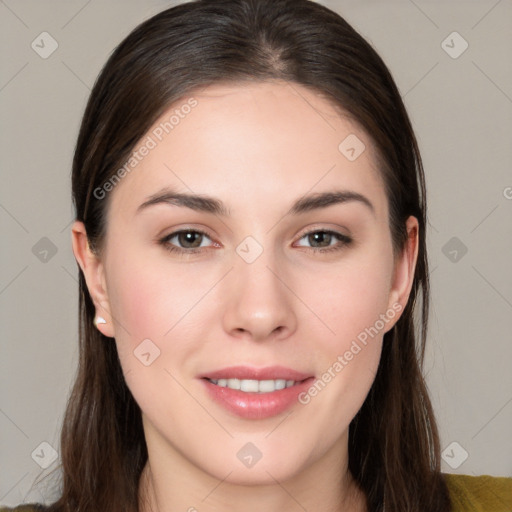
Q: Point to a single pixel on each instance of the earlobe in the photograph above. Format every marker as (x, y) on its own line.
(93, 270)
(404, 271)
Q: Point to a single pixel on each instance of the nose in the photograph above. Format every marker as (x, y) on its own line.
(259, 303)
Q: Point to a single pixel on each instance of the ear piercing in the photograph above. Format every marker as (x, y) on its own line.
(99, 320)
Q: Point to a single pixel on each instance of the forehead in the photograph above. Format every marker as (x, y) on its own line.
(251, 141)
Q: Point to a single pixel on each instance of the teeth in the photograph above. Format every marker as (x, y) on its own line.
(254, 386)
(249, 386)
(233, 383)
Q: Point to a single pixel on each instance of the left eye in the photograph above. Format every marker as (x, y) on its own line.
(322, 239)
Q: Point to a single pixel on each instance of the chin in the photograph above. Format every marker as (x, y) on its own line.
(251, 460)
(259, 474)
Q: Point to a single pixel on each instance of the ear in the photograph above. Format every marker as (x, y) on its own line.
(404, 269)
(94, 274)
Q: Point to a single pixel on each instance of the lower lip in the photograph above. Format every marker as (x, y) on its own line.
(256, 406)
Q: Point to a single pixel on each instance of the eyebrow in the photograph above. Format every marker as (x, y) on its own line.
(306, 203)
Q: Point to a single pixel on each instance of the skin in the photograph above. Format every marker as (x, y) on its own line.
(258, 147)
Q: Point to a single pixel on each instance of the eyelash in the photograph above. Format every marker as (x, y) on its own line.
(343, 239)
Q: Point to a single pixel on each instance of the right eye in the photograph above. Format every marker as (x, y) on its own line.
(185, 241)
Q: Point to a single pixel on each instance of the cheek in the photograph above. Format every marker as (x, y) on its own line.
(153, 300)
(355, 308)
(137, 293)
(352, 304)
(148, 298)
(351, 300)
(150, 309)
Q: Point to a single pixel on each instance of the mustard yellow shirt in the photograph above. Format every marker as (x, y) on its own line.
(467, 493)
(479, 493)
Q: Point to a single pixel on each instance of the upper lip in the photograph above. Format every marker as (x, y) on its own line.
(251, 373)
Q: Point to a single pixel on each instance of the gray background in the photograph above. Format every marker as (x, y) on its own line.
(462, 112)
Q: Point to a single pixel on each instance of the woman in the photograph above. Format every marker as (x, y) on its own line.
(250, 234)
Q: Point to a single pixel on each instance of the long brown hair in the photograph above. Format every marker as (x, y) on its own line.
(394, 451)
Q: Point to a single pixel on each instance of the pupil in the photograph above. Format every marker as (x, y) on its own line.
(190, 237)
(322, 237)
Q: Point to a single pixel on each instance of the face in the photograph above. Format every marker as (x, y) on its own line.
(280, 274)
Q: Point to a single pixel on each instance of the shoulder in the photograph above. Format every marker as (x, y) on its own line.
(479, 493)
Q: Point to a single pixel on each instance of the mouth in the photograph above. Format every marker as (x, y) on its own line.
(252, 393)
(255, 386)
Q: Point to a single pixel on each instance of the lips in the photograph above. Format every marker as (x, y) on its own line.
(248, 392)
(249, 373)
